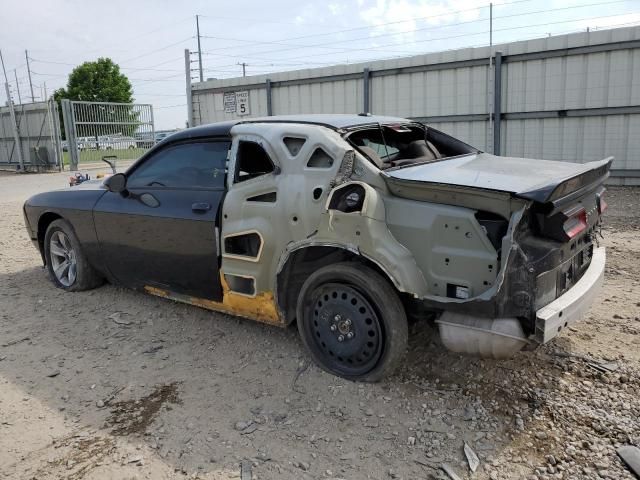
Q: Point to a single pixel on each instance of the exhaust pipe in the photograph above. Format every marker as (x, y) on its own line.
(486, 337)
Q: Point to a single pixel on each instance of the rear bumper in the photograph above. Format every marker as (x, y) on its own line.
(572, 305)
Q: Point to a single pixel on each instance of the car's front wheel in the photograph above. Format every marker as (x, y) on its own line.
(352, 321)
(66, 263)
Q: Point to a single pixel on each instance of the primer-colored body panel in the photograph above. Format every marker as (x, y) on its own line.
(296, 211)
(447, 243)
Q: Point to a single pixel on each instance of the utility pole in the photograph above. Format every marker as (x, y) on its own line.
(26, 56)
(6, 80)
(187, 73)
(490, 86)
(15, 74)
(45, 91)
(199, 50)
(14, 124)
(244, 69)
(491, 25)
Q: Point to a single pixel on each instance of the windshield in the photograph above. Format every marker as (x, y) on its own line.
(389, 146)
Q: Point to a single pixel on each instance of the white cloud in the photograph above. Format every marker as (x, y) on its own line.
(405, 18)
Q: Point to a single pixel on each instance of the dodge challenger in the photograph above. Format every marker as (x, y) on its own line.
(349, 225)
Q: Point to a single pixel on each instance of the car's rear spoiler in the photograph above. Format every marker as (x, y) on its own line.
(571, 186)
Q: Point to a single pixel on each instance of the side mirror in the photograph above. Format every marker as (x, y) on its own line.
(116, 183)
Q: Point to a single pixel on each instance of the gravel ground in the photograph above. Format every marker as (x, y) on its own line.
(113, 383)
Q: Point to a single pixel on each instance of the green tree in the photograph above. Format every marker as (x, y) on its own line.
(99, 81)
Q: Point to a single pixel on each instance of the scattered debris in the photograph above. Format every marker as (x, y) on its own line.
(105, 401)
(53, 374)
(605, 367)
(302, 367)
(117, 318)
(449, 471)
(472, 458)
(242, 425)
(15, 342)
(250, 429)
(153, 349)
(631, 456)
(133, 459)
(245, 470)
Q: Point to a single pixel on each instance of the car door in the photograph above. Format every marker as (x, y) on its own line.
(163, 231)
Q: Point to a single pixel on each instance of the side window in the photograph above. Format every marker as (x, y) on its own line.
(187, 165)
(251, 161)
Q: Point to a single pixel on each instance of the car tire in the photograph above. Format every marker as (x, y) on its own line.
(352, 322)
(67, 264)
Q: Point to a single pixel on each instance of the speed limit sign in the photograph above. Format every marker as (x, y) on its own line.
(242, 103)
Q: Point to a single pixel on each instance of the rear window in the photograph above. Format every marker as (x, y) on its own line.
(392, 146)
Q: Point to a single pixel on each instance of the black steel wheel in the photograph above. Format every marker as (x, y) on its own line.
(352, 321)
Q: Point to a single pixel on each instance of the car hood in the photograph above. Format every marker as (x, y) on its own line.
(523, 177)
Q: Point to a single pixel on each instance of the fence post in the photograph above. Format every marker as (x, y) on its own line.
(14, 127)
(187, 71)
(366, 78)
(269, 104)
(70, 134)
(57, 133)
(153, 126)
(497, 103)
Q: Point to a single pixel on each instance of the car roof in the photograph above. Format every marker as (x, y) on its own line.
(335, 121)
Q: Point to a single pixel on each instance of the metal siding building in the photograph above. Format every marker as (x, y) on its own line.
(571, 97)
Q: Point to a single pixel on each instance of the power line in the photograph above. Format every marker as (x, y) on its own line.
(48, 74)
(133, 69)
(484, 32)
(146, 94)
(368, 27)
(370, 37)
(171, 106)
(126, 40)
(158, 50)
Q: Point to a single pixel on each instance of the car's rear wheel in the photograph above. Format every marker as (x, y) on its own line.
(352, 322)
(66, 263)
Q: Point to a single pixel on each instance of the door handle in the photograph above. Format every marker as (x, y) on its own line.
(201, 207)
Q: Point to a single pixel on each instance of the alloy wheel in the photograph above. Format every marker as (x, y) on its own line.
(63, 258)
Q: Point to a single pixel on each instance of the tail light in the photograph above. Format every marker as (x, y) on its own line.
(576, 223)
(602, 203)
(564, 225)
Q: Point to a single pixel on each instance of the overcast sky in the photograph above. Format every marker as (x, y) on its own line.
(147, 38)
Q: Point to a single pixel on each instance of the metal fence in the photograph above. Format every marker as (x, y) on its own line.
(94, 130)
(569, 97)
(30, 137)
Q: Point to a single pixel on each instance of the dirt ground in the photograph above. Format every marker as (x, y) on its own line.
(115, 384)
